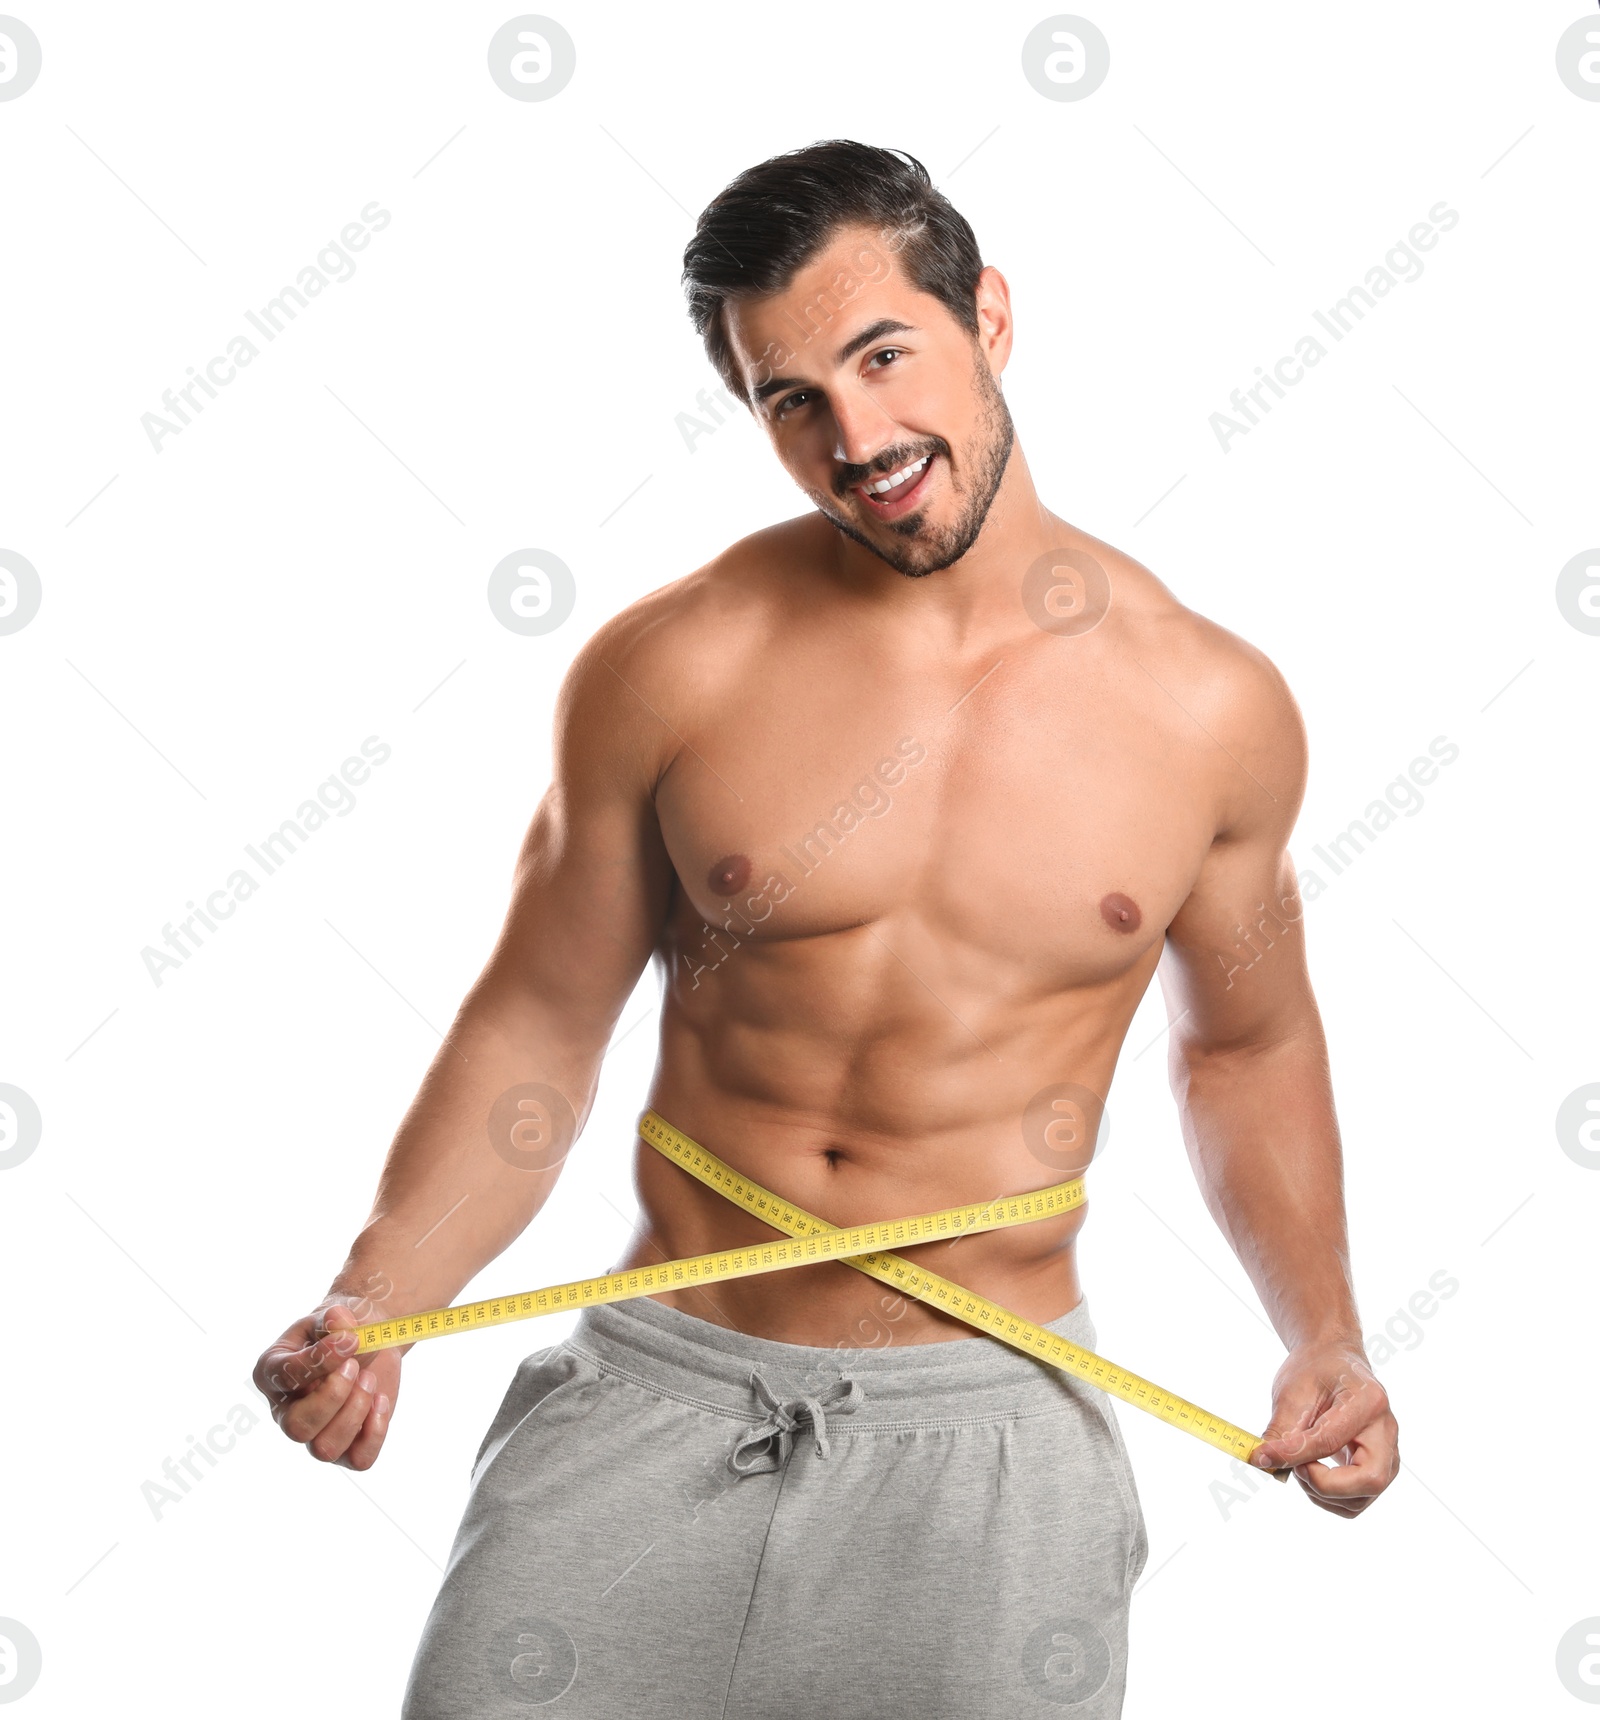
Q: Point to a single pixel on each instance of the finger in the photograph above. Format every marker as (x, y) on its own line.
(345, 1423)
(291, 1368)
(1346, 1509)
(1369, 1468)
(1328, 1433)
(1335, 1487)
(384, 1372)
(1293, 1411)
(304, 1417)
(368, 1442)
(337, 1338)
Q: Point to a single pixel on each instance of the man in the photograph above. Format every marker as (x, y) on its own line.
(910, 796)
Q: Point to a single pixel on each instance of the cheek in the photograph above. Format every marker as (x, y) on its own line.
(806, 454)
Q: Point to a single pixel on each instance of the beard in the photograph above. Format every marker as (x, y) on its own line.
(928, 548)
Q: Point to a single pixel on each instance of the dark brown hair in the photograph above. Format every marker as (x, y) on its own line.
(762, 227)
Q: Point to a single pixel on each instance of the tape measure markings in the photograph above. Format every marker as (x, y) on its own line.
(975, 1310)
(812, 1240)
(802, 1249)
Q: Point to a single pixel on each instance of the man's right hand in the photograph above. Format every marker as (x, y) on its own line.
(322, 1395)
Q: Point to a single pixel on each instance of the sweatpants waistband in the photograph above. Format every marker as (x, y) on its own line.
(959, 1378)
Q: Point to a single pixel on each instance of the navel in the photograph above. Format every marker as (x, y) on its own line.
(730, 873)
(1120, 912)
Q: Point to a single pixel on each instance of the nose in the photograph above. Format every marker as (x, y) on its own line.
(863, 429)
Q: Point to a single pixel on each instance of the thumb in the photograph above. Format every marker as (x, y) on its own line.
(1285, 1436)
(333, 1319)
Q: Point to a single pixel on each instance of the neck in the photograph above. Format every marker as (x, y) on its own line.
(977, 596)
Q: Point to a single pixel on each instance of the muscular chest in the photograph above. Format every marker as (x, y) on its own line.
(1057, 828)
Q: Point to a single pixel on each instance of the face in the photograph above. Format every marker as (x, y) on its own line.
(859, 377)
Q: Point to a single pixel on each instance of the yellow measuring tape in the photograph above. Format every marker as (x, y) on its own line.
(813, 1239)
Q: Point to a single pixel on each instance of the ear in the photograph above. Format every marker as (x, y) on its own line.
(993, 300)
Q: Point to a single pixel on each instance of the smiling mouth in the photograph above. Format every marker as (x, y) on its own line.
(895, 492)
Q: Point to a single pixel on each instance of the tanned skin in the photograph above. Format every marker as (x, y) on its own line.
(862, 1028)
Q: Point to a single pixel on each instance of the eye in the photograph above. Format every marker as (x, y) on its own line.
(886, 352)
(797, 399)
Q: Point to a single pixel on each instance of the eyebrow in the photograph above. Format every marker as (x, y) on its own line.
(872, 332)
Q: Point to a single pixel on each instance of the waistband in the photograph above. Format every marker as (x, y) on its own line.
(953, 1378)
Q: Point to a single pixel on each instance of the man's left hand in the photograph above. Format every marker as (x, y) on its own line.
(1327, 1402)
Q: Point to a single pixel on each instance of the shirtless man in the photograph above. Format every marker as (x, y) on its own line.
(910, 796)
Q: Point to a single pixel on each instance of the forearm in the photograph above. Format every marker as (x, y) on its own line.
(1264, 1141)
(448, 1202)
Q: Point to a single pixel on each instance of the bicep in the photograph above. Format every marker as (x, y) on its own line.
(593, 879)
(1234, 970)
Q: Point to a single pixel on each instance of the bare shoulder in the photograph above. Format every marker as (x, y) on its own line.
(646, 674)
(1228, 687)
(688, 626)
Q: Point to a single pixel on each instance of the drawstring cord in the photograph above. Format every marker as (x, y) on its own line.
(783, 1421)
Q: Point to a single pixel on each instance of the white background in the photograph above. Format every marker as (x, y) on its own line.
(306, 564)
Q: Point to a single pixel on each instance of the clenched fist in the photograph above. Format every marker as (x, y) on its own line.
(321, 1395)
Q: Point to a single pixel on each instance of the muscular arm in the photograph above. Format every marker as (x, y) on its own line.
(588, 901)
(1248, 1064)
(1247, 1058)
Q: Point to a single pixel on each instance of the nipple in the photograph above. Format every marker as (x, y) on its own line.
(730, 873)
(1120, 912)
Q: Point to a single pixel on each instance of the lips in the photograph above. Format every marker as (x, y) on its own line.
(902, 498)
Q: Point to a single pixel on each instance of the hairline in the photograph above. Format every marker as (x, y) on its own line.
(911, 245)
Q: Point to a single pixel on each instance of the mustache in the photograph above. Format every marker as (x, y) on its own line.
(849, 476)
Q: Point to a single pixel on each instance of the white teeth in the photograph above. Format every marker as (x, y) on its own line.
(895, 479)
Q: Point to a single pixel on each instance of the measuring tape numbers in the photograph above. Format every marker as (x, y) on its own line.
(863, 1246)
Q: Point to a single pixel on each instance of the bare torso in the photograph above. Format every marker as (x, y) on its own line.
(860, 1015)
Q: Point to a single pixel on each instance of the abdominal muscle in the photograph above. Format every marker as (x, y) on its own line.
(856, 1124)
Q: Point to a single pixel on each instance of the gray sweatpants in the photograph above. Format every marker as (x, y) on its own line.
(669, 1519)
